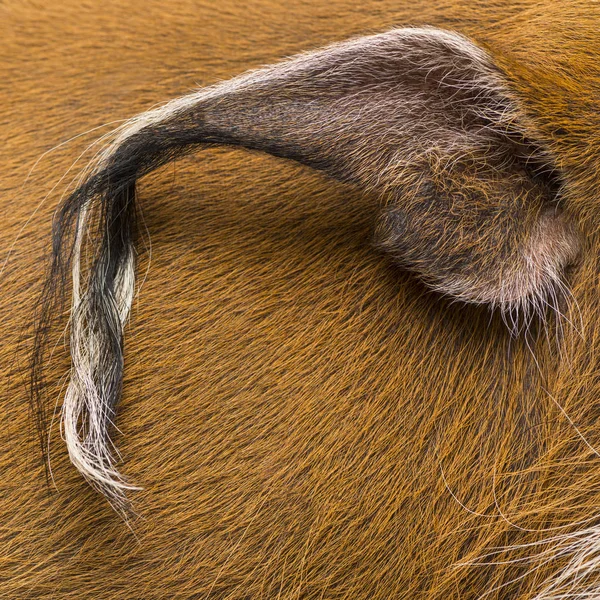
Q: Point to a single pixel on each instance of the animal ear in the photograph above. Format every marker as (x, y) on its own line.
(424, 119)
(421, 118)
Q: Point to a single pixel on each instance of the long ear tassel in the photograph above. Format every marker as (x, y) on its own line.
(99, 314)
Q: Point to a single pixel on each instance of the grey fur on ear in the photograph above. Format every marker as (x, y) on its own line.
(421, 118)
(464, 243)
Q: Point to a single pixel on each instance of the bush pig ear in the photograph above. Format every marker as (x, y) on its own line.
(421, 118)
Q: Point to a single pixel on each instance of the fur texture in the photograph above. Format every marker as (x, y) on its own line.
(420, 118)
(305, 418)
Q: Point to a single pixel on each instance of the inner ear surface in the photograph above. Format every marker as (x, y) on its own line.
(485, 229)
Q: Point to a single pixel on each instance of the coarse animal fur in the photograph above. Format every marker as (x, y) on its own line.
(304, 416)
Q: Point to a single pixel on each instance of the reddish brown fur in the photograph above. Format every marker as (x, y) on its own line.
(303, 416)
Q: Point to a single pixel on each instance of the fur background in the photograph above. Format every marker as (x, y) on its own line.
(307, 420)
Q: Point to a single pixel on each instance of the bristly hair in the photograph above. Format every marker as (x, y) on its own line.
(421, 118)
(98, 315)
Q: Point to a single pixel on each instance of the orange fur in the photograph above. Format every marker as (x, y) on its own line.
(307, 420)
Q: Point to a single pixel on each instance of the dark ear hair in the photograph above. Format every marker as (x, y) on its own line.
(420, 117)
